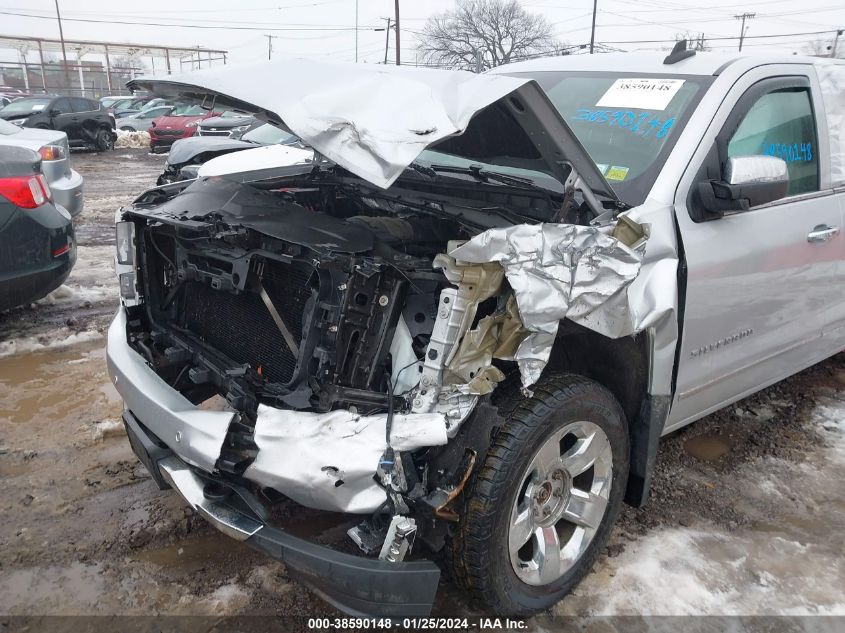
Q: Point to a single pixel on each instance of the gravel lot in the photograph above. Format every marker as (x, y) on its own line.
(747, 515)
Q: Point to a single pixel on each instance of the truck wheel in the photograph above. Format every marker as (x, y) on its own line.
(542, 505)
(105, 140)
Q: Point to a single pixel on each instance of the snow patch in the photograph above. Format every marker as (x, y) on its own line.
(830, 415)
(708, 571)
(51, 340)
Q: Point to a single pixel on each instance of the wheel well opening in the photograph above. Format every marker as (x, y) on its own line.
(621, 364)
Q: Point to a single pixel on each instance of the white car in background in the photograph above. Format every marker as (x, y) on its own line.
(140, 121)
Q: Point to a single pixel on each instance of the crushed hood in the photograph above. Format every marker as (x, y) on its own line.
(376, 120)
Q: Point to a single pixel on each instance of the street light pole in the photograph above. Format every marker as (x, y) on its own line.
(64, 52)
(593, 29)
(270, 39)
(356, 31)
(386, 39)
(396, 4)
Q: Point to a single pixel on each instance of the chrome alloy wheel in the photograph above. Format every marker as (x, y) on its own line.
(561, 502)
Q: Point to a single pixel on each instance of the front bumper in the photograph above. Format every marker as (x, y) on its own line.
(174, 440)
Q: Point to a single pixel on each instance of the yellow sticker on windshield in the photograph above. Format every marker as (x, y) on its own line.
(616, 173)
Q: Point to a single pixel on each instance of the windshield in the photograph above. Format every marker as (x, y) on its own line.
(234, 113)
(7, 129)
(627, 123)
(188, 110)
(26, 106)
(267, 135)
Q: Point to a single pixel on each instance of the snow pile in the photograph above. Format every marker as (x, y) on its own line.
(830, 414)
(132, 139)
(62, 337)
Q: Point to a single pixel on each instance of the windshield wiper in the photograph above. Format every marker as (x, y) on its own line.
(485, 175)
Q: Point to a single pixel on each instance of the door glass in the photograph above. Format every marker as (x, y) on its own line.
(781, 124)
(62, 106)
(81, 105)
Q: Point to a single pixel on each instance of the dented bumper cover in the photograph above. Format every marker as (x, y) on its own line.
(179, 443)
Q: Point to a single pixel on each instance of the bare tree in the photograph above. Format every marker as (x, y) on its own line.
(824, 48)
(695, 41)
(482, 34)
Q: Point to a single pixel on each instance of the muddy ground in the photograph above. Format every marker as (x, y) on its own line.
(747, 514)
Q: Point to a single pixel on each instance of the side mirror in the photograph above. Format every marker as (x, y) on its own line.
(748, 181)
(54, 112)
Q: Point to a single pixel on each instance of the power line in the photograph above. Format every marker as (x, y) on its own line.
(748, 37)
(224, 26)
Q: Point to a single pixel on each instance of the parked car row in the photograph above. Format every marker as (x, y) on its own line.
(85, 121)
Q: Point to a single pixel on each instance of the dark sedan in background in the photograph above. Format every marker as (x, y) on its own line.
(37, 248)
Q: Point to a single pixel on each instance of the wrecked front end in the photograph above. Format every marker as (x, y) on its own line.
(349, 346)
(307, 335)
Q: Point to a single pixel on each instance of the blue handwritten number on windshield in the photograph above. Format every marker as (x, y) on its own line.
(665, 129)
(642, 124)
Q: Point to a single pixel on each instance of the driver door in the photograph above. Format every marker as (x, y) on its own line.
(63, 118)
(757, 283)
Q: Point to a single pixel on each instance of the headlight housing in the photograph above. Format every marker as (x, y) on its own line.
(192, 123)
(125, 243)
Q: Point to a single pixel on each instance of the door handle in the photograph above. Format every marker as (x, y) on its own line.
(822, 233)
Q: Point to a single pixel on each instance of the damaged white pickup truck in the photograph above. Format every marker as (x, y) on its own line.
(471, 308)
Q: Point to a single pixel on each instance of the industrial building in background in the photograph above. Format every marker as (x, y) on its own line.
(91, 68)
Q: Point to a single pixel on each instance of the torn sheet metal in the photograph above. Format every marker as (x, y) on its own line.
(559, 271)
(496, 336)
(831, 74)
(327, 461)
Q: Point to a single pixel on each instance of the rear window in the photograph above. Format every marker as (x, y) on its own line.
(83, 105)
(627, 123)
(188, 110)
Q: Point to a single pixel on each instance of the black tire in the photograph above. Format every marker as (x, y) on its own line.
(479, 553)
(105, 140)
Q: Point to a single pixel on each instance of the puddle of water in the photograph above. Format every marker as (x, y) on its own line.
(51, 589)
(708, 448)
(47, 385)
(193, 554)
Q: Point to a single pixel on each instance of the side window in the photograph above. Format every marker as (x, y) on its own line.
(780, 123)
(62, 106)
(81, 105)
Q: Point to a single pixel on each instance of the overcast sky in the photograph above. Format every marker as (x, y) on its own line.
(325, 29)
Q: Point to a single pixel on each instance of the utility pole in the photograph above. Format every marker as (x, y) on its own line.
(356, 31)
(64, 52)
(743, 17)
(396, 4)
(593, 30)
(270, 39)
(386, 39)
(835, 42)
